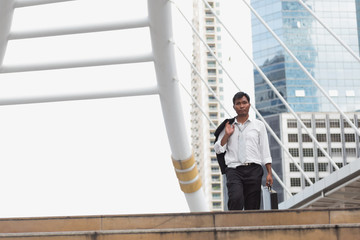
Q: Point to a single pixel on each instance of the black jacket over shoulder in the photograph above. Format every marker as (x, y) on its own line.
(221, 157)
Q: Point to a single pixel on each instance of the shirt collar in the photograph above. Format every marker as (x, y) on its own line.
(248, 120)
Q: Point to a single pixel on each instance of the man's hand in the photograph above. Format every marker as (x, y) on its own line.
(269, 180)
(229, 129)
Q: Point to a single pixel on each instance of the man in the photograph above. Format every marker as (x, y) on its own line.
(245, 144)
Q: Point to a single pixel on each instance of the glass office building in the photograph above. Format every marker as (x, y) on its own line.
(336, 70)
(333, 67)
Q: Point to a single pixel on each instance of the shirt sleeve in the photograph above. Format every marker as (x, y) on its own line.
(217, 147)
(264, 146)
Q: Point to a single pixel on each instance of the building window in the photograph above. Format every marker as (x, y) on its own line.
(295, 182)
(213, 115)
(293, 138)
(307, 122)
(350, 93)
(308, 152)
(334, 123)
(211, 71)
(291, 123)
(215, 178)
(349, 137)
(308, 184)
(299, 93)
(309, 167)
(293, 168)
(294, 152)
(213, 107)
(210, 29)
(320, 123)
(339, 164)
(320, 153)
(209, 21)
(215, 169)
(211, 81)
(212, 98)
(346, 124)
(216, 196)
(216, 205)
(350, 152)
(321, 137)
(336, 152)
(306, 138)
(211, 64)
(333, 93)
(323, 167)
(335, 137)
(215, 186)
(210, 55)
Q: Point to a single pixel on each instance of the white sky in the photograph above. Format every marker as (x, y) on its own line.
(108, 156)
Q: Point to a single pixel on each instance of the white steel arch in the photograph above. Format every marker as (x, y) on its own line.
(164, 59)
(159, 22)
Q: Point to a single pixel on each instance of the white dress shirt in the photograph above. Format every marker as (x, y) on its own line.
(256, 144)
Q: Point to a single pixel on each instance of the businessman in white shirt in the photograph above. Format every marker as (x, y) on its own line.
(246, 147)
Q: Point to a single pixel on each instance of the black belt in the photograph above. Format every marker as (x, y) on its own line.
(246, 164)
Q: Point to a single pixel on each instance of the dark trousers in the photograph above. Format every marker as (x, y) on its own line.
(244, 187)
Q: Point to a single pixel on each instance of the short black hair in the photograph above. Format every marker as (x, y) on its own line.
(240, 95)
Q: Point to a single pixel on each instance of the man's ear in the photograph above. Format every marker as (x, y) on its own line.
(233, 106)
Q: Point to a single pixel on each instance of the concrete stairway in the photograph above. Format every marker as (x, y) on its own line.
(326, 224)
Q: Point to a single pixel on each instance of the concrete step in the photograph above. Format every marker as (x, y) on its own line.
(289, 232)
(281, 224)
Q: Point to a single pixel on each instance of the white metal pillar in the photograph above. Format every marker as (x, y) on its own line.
(164, 59)
(6, 14)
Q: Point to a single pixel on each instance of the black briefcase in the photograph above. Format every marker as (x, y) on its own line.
(269, 198)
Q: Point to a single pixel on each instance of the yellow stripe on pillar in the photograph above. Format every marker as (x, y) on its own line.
(187, 173)
(184, 164)
(191, 187)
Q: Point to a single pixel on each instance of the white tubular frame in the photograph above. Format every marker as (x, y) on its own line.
(81, 96)
(164, 58)
(6, 15)
(77, 64)
(138, 23)
(160, 23)
(29, 3)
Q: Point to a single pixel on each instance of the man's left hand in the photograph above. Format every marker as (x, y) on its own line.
(269, 180)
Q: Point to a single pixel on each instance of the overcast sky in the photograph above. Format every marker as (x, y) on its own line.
(107, 156)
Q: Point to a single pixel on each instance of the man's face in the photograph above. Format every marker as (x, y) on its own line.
(242, 106)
